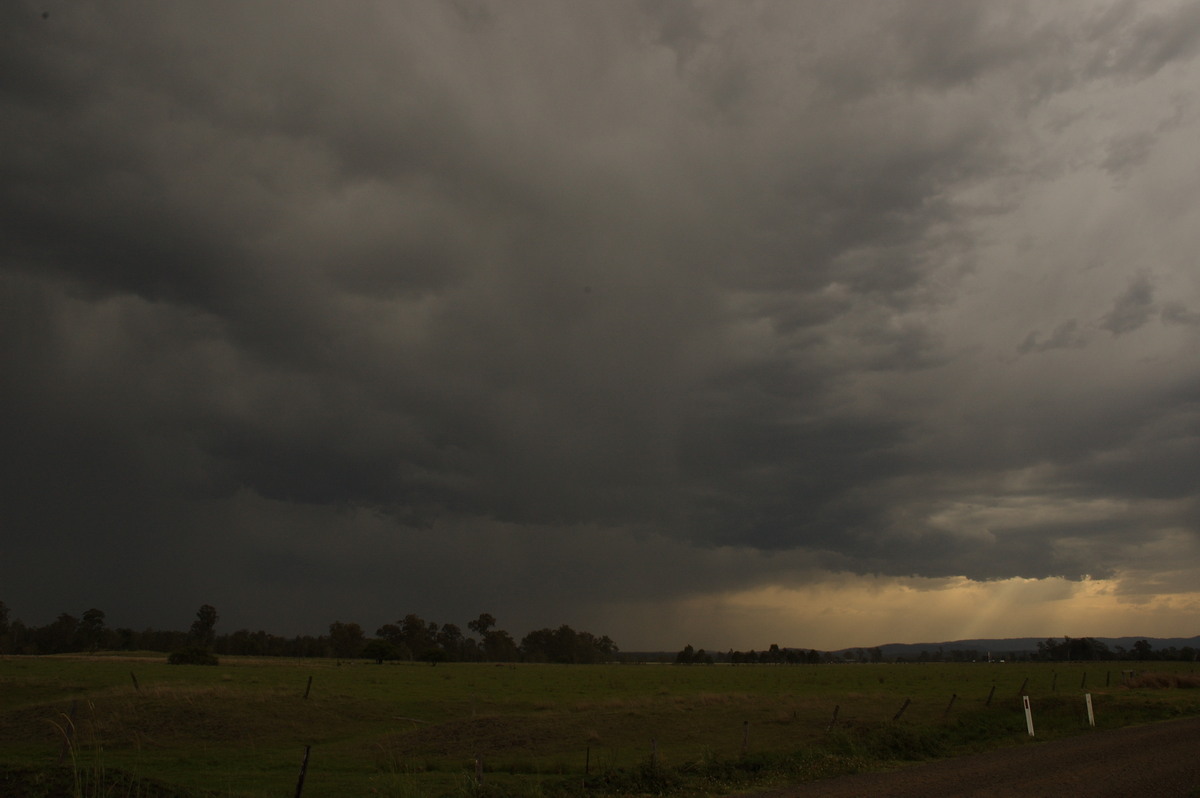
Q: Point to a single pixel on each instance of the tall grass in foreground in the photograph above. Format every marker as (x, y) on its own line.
(531, 730)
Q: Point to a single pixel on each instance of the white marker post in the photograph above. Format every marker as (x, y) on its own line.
(1087, 697)
(1028, 715)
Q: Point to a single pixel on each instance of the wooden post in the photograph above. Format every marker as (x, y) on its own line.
(1107, 678)
(991, 693)
(1024, 684)
(745, 736)
(833, 722)
(303, 771)
(136, 689)
(1083, 681)
(903, 707)
(309, 687)
(953, 697)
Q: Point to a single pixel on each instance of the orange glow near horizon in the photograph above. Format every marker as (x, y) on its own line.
(847, 611)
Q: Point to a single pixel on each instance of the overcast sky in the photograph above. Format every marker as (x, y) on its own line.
(812, 323)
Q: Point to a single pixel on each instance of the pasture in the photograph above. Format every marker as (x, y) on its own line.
(120, 725)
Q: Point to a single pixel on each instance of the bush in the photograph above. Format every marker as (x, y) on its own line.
(192, 655)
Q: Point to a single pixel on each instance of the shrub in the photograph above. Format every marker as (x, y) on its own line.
(192, 655)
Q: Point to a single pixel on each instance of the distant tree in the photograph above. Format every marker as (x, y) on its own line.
(538, 646)
(686, 656)
(482, 624)
(159, 640)
(58, 636)
(346, 639)
(391, 633)
(394, 636)
(19, 639)
(125, 638)
(1093, 649)
(434, 655)
(470, 650)
(415, 634)
(605, 647)
(90, 632)
(5, 629)
(1143, 650)
(499, 646)
(203, 632)
(566, 645)
(450, 639)
(379, 650)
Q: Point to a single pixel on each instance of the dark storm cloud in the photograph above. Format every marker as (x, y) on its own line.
(1178, 313)
(1065, 335)
(1131, 309)
(346, 293)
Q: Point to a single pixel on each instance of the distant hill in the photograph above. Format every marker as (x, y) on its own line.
(999, 648)
(1020, 645)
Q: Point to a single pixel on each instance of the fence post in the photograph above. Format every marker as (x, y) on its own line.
(1087, 697)
(833, 722)
(136, 689)
(953, 698)
(309, 687)
(745, 736)
(991, 693)
(303, 771)
(1028, 714)
(903, 707)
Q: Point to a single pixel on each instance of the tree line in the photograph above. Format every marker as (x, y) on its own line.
(410, 638)
(1087, 648)
(1068, 649)
(774, 655)
(1051, 650)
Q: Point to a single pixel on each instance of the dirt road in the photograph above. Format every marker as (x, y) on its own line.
(1160, 760)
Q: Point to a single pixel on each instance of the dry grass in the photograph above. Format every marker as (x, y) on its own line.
(1161, 681)
(240, 728)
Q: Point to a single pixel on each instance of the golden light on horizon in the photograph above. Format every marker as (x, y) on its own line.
(846, 610)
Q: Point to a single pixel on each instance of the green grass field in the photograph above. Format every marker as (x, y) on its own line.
(78, 726)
